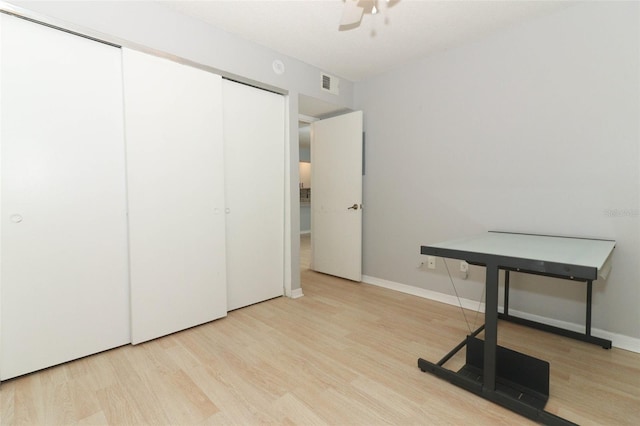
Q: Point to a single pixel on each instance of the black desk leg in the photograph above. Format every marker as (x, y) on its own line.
(506, 292)
(491, 329)
(585, 337)
(589, 297)
(483, 380)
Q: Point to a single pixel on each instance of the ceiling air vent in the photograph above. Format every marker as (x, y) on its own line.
(329, 83)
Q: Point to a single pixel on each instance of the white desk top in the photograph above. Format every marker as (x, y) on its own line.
(565, 250)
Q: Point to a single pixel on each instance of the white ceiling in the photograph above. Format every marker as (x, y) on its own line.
(410, 30)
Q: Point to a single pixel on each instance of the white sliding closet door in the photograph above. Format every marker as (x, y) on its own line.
(175, 175)
(254, 137)
(63, 285)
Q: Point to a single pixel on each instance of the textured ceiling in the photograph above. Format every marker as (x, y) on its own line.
(308, 29)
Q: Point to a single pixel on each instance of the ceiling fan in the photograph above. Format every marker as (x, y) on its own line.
(354, 10)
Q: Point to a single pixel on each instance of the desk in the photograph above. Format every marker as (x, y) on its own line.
(511, 379)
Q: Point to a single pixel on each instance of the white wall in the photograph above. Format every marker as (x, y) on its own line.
(532, 129)
(153, 26)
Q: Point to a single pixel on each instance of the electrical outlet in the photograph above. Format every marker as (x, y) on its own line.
(431, 262)
(464, 266)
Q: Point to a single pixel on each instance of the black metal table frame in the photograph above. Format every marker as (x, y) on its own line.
(584, 337)
(493, 263)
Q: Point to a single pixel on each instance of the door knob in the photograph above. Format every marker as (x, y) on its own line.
(353, 207)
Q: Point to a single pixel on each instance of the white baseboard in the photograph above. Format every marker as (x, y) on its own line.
(426, 294)
(618, 340)
(305, 232)
(296, 293)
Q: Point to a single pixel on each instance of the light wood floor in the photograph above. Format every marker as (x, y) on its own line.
(344, 354)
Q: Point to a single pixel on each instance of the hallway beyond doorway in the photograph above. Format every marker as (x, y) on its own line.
(305, 252)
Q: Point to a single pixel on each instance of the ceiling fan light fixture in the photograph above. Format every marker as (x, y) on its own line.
(354, 10)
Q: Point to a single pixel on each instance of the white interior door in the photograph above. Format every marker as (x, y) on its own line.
(175, 177)
(336, 196)
(63, 284)
(254, 125)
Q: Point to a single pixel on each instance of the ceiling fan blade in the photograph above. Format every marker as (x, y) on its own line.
(351, 15)
(367, 6)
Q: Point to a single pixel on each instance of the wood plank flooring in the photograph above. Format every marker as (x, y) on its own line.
(344, 354)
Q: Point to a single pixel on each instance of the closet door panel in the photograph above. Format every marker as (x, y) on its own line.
(63, 285)
(254, 126)
(175, 175)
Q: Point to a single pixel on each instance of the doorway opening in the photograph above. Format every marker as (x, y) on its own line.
(304, 138)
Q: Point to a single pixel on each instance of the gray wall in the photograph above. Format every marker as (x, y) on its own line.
(305, 211)
(151, 25)
(305, 218)
(305, 154)
(532, 129)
